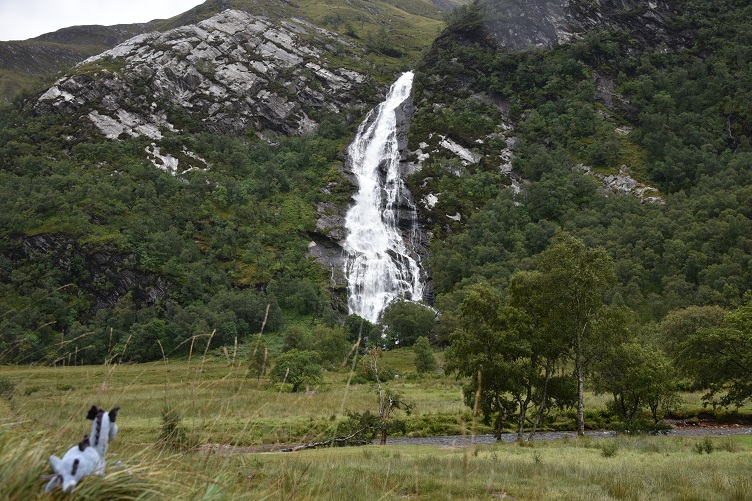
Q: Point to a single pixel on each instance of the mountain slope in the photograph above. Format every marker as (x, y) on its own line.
(23, 62)
(518, 24)
(226, 73)
(411, 25)
(172, 186)
(511, 146)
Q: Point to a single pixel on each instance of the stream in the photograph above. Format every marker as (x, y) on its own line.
(680, 430)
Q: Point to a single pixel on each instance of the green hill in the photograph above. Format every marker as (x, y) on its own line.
(141, 205)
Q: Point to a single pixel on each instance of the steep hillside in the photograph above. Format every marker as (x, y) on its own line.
(520, 24)
(404, 27)
(175, 185)
(630, 138)
(228, 74)
(23, 62)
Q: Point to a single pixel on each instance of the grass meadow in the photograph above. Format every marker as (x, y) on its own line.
(232, 423)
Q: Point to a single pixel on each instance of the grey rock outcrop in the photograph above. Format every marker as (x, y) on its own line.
(624, 183)
(231, 73)
(106, 274)
(521, 24)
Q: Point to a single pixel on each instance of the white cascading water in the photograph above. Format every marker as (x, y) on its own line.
(378, 265)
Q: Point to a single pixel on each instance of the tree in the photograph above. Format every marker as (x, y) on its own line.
(147, 340)
(680, 324)
(425, 359)
(298, 368)
(388, 401)
(358, 327)
(526, 291)
(406, 321)
(331, 343)
(638, 377)
(492, 349)
(575, 279)
(721, 358)
(296, 337)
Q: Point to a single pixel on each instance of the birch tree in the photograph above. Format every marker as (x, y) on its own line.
(575, 277)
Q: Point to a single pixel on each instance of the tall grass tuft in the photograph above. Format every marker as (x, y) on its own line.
(741, 490)
(609, 448)
(24, 471)
(23, 460)
(729, 445)
(705, 446)
(172, 434)
(7, 388)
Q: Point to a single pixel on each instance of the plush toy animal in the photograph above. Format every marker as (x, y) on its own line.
(103, 429)
(89, 455)
(80, 460)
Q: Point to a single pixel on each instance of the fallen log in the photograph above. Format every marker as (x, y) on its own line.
(341, 441)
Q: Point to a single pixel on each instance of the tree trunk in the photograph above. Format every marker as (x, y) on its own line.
(654, 410)
(501, 417)
(579, 364)
(521, 424)
(524, 404)
(543, 403)
(385, 411)
(580, 394)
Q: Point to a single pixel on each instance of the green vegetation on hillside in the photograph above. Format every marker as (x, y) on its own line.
(89, 226)
(676, 118)
(101, 251)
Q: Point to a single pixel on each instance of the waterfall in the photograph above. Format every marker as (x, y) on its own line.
(379, 265)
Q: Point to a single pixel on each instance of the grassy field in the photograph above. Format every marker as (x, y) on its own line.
(217, 402)
(219, 405)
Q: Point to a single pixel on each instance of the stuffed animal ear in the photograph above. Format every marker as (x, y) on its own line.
(69, 485)
(92, 412)
(56, 464)
(113, 413)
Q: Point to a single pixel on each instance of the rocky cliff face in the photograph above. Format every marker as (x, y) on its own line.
(106, 275)
(521, 24)
(229, 73)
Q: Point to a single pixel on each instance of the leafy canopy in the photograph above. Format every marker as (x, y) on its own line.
(721, 358)
(300, 368)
